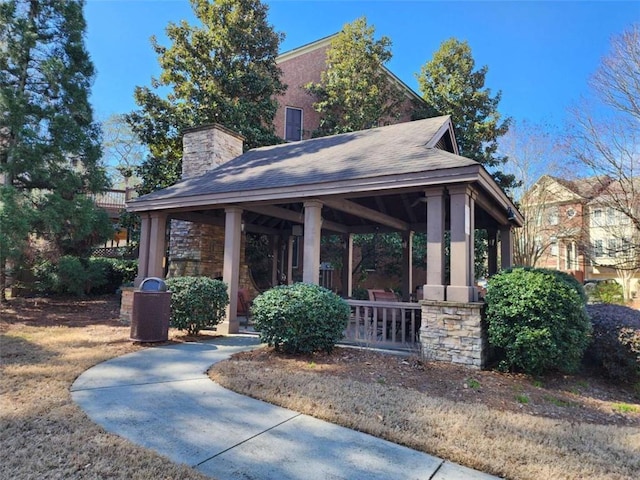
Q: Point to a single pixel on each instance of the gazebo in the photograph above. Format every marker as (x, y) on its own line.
(402, 178)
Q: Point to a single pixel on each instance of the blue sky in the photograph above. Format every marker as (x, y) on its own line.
(540, 54)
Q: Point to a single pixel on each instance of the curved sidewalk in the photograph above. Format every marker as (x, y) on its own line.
(162, 399)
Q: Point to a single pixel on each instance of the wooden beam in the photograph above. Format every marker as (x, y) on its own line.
(367, 213)
(295, 217)
(197, 218)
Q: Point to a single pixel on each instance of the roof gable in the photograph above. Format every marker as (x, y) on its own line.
(326, 43)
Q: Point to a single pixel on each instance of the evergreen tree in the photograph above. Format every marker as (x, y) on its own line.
(49, 144)
(223, 71)
(451, 85)
(355, 91)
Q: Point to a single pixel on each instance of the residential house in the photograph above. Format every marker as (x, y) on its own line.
(576, 226)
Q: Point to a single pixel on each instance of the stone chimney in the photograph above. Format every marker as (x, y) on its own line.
(208, 146)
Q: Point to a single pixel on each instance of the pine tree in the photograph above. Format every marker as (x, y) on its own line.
(355, 91)
(451, 85)
(223, 71)
(49, 144)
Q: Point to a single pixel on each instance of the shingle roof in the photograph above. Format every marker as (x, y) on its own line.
(398, 149)
(587, 188)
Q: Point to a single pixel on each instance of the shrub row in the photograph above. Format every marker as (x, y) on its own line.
(83, 276)
(616, 341)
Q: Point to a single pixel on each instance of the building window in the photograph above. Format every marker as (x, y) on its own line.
(596, 215)
(554, 246)
(612, 247)
(293, 124)
(571, 212)
(553, 216)
(611, 216)
(598, 249)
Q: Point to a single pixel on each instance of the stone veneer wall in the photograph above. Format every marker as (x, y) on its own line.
(207, 147)
(454, 332)
(198, 250)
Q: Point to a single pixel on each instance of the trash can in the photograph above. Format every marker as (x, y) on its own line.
(150, 311)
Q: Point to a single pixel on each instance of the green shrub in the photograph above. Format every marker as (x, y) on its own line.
(81, 276)
(608, 292)
(109, 274)
(197, 303)
(615, 344)
(300, 318)
(537, 320)
(68, 276)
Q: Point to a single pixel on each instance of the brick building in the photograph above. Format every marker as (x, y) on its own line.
(296, 119)
(577, 227)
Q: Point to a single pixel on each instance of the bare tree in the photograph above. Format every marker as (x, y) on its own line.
(605, 139)
(533, 154)
(605, 135)
(122, 150)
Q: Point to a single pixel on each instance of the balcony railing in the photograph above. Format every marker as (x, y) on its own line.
(384, 324)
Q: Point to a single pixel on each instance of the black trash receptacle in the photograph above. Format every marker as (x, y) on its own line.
(150, 311)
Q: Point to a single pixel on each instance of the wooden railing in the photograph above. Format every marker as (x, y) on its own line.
(384, 324)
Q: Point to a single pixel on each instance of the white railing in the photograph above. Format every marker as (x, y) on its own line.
(384, 324)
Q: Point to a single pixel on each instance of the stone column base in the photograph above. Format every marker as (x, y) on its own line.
(453, 332)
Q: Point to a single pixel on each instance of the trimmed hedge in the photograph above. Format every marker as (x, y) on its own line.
(615, 344)
(537, 320)
(197, 303)
(300, 318)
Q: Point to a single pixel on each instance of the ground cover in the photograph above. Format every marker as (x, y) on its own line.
(516, 426)
(44, 345)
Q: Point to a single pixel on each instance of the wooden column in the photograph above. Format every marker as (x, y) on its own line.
(143, 249)
(461, 261)
(312, 232)
(274, 241)
(492, 251)
(435, 288)
(290, 241)
(506, 246)
(157, 245)
(347, 265)
(231, 267)
(407, 265)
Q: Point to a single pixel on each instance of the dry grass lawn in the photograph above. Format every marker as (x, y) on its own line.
(513, 426)
(44, 345)
(571, 428)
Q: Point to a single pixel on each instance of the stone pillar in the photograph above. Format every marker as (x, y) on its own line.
(312, 235)
(453, 332)
(461, 288)
(347, 266)
(157, 245)
(407, 265)
(435, 288)
(231, 268)
(506, 246)
(208, 146)
(492, 251)
(143, 248)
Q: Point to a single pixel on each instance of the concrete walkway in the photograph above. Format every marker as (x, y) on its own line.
(161, 398)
